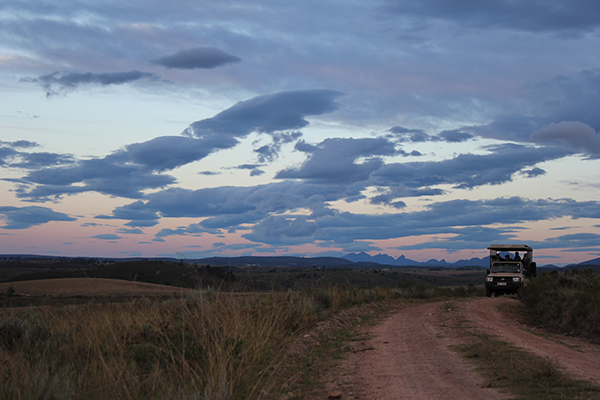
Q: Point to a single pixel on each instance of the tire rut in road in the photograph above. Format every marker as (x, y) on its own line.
(576, 357)
(411, 359)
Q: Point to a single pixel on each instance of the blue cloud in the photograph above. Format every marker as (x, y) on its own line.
(200, 57)
(106, 236)
(26, 217)
(56, 82)
(271, 113)
(334, 161)
(568, 17)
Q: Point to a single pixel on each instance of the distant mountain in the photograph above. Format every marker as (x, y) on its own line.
(383, 259)
(273, 261)
(595, 261)
(403, 261)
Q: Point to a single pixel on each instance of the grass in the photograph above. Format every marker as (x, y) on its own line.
(204, 344)
(523, 374)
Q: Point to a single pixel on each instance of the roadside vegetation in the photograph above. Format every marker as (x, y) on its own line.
(567, 302)
(522, 374)
(203, 345)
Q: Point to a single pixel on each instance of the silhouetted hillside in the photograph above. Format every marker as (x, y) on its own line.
(160, 272)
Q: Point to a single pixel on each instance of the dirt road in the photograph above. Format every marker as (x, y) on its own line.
(409, 356)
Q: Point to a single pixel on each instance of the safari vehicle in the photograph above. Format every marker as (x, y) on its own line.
(508, 273)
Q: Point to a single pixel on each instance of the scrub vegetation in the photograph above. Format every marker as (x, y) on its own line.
(202, 345)
(567, 302)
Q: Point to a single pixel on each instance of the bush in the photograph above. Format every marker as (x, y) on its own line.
(567, 302)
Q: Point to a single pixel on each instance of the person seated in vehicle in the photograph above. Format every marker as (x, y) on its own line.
(517, 256)
(526, 261)
(507, 257)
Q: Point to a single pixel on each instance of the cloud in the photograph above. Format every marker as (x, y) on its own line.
(570, 241)
(455, 136)
(579, 137)
(248, 166)
(6, 154)
(468, 221)
(230, 206)
(131, 170)
(532, 173)
(467, 170)
(267, 211)
(106, 236)
(41, 160)
(200, 57)
(110, 175)
(309, 187)
(514, 127)
(135, 231)
(567, 98)
(19, 144)
(471, 237)
(280, 230)
(137, 212)
(304, 147)
(270, 152)
(452, 217)
(270, 113)
(13, 158)
(63, 82)
(563, 16)
(169, 152)
(335, 161)
(190, 230)
(26, 217)
(410, 135)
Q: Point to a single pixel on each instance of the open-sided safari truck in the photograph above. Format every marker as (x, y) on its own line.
(511, 265)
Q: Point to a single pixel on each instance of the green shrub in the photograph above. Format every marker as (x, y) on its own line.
(324, 298)
(566, 302)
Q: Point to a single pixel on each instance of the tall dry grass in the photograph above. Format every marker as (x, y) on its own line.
(206, 345)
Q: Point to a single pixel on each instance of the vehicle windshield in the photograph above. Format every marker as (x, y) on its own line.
(506, 267)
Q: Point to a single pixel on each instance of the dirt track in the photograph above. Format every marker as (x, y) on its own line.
(409, 358)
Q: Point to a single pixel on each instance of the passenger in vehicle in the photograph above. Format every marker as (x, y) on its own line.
(517, 256)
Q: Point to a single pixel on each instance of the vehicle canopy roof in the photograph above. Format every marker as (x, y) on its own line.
(510, 247)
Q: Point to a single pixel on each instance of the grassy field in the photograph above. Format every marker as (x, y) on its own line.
(201, 344)
(88, 287)
(164, 342)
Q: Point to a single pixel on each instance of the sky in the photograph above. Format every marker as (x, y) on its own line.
(194, 129)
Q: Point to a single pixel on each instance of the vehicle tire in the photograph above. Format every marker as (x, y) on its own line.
(520, 293)
(533, 268)
(488, 292)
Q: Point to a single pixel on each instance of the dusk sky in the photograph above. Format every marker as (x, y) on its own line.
(191, 129)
